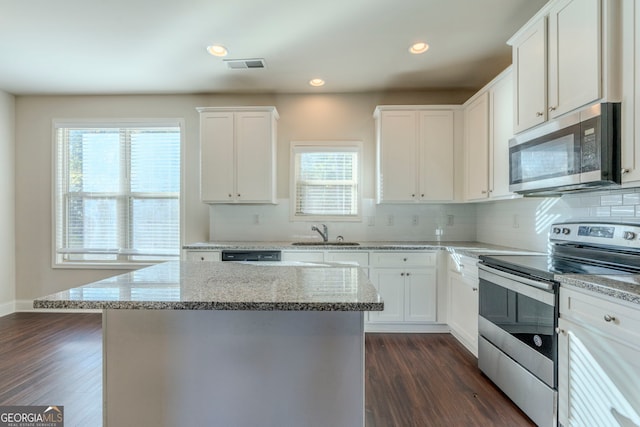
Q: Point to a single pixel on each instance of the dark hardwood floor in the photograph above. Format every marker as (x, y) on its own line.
(411, 379)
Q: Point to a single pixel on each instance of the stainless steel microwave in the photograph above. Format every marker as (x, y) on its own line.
(578, 151)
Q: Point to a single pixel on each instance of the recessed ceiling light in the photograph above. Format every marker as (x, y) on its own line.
(316, 82)
(217, 50)
(419, 47)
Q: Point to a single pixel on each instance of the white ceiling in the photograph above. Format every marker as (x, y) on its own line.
(158, 46)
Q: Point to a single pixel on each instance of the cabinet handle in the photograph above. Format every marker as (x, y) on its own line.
(238, 194)
(609, 318)
(552, 108)
(230, 195)
(405, 260)
(201, 258)
(539, 114)
(625, 170)
(561, 331)
(422, 195)
(474, 289)
(402, 274)
(408, 274)
(483, 192)
(413, 195)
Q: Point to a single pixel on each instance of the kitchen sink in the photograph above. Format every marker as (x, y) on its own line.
(325, 244)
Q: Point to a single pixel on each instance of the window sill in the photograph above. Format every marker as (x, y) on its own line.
(104, 266)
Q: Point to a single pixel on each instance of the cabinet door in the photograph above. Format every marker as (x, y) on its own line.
(631, 91)
(216, 157)
(574, 55)
(598, 378)
(501, 130)
(436, 155)
(530, 68)
(420, 295)
(390, 286)
(255, 157)
(463, 310)
(397, 169)
(476, 126)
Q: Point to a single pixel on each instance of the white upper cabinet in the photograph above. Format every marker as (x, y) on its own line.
(575, 33)
(565, 57)
(500, 132)
(238, 154)
(415, 147)
(530, 69)
(631, 93)
(488, 126)
(476, 132)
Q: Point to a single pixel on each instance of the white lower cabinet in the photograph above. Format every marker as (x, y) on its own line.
(202, 255)
(463, 301)
(303, 256)
(407, 283)
(599, 360)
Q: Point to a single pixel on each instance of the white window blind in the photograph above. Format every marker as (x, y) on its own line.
(117, 193)
(326, 180)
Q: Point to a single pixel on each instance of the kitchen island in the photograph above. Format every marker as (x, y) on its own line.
(231, 344)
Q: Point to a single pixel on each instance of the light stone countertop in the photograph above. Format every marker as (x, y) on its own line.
(624, 287)
(262, 286)
(472, 249)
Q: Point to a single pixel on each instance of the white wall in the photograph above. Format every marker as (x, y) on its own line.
(524, 223)
(7, 204)
(329, 116)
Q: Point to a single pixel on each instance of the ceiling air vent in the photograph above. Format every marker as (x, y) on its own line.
(243, 64)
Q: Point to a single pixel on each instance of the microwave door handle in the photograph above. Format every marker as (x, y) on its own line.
(534, 283)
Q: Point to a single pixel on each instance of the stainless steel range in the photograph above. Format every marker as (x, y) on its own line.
(517, 346)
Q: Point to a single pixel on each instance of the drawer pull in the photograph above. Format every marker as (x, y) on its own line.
(402, 274)
(405, 260)
(474, 289)
(609, 318)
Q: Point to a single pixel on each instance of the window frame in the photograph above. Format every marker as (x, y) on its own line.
(56, 123)
(325, 146)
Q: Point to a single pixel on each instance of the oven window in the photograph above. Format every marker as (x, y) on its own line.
(546, 158)
(524, 318)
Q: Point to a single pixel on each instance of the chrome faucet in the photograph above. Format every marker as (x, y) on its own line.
(324, 233)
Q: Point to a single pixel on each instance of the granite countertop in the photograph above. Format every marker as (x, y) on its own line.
(624, 287)
(473, 249)
(264, 286)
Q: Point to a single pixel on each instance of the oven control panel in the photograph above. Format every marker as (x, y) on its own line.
(609, 234)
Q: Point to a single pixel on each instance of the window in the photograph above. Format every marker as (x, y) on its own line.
(117, 193)
(326, 180)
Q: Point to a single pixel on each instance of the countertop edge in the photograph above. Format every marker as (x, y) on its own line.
(219, 306)
(609, 286)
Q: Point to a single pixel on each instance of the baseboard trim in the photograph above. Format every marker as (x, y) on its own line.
(406, 328)
(7, 308)
(27, 305)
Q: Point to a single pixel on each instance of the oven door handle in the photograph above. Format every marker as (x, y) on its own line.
(536, 284)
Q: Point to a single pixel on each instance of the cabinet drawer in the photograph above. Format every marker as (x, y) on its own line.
(303, 256)
(466, 266)
(360, 258)
(203, 256)
(403, 259)
(611, 318)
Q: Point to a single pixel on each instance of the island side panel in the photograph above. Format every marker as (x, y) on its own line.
(233, 368)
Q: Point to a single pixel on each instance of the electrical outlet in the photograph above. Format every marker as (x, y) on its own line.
(415, 220)
(389, 219)
(450, 220)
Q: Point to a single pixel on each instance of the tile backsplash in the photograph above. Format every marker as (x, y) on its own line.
(410, 222)
(520, 223)
(524, 223)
